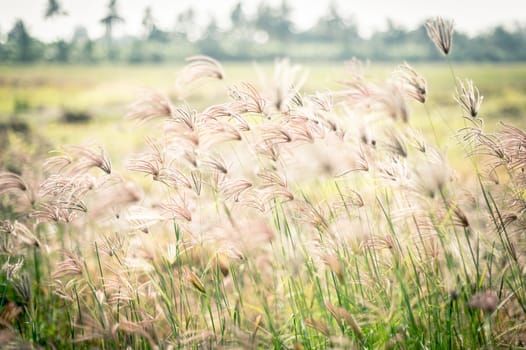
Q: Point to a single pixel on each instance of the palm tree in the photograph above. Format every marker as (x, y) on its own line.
(54, 8)
(111, 18)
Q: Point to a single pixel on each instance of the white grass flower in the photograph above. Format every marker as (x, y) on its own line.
(440, 31)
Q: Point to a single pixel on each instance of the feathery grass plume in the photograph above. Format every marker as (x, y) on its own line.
(23, 287)
(486, 301)
(513, 143)
(222, 262)
(195, 281)
(175, 178)
(396, 143)
(200, 67)
(360, 93)
(269, 150)
(142, 218)
(432, 176)
(7, 246)
(333, 263)
(184, 125)
(8, 315)
(417, 140)
(146, 165)
(316, 216)
(271, 178)
(150, 105)
(357, 68)
(16, 235)
(349, 199)
(270, 195)
(197, 339)
(377, 242)
(25, 235)
(283, 88)
(67, 192)
(217, 163)
(151, 162)
(440, 31)
(87, 158)
(248, 97)
(252, 199)
(53, 212)
(413, 84)
(396, 171)
(142, 328)
(234, 188)
(318, 326)
(215, 132)
(468, 97)
(112, 244)
(359, 162)
(321, 101)
(116, 197)
(57, 163)
(341, 315)
(71, 265)
(10, 269)
(186, 116)
(459, 218)
(392, 102)
(91, 328)
(176, 211)
(275, 134)
(232, 111)
(11, 182)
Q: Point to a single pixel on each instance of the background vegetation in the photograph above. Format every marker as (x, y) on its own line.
(268, 34)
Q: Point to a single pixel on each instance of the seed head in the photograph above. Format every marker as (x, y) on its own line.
(10, 181)
(150, 105)
(440, 31)
(413, 84)
(486, 301)
(195, 281)
(23, 287)
(468, 97)
(199, 67)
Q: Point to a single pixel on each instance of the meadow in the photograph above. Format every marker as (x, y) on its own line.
(328, 205)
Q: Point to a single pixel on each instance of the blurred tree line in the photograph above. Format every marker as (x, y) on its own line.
(268, 33)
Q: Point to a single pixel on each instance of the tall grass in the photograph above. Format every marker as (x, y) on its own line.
(273, 220)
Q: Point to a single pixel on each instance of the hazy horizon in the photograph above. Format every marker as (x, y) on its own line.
(469, 16)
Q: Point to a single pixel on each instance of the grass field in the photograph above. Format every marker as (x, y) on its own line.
(345, 215)
(40, 94)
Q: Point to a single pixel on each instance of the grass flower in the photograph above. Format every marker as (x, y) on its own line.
(151, 105)
(440, 31)
(413, 84)
(200, 67)
(486, 301)
(468, 97)
(273, 219)
(10, 182)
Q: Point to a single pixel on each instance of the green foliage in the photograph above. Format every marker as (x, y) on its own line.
(20, 46)
(53, 9)
(76, 117)
(268, 34)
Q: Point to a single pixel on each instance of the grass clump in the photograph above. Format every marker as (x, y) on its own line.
(274, 219)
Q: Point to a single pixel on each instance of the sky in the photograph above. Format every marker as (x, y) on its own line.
(470, 16)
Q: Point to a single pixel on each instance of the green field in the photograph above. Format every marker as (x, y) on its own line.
(240, 218)
(41, 94)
